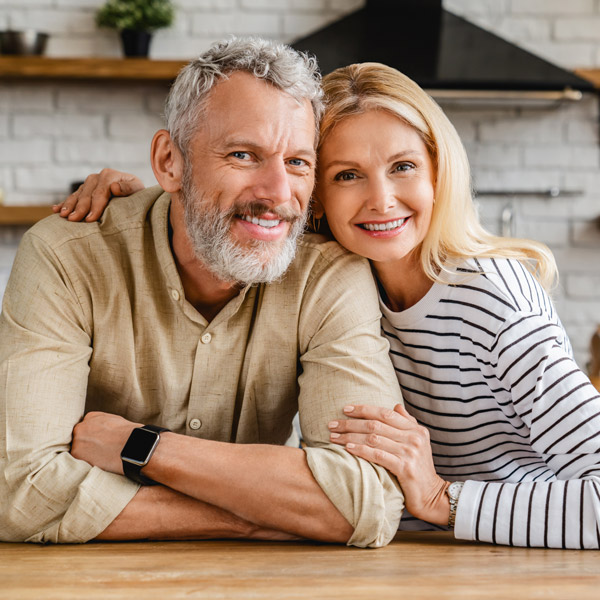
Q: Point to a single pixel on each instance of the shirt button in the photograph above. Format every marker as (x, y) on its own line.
(175, 295)
(206, 338)
(195, 424)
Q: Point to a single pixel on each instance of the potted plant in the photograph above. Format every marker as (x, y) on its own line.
(136, 20)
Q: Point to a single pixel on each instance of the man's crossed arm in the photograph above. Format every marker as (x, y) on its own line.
(212, 489)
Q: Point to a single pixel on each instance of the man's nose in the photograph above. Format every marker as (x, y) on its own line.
(273, 183)
(381, 194)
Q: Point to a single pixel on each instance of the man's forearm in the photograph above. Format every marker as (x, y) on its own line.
(271, 486)
(163, 514)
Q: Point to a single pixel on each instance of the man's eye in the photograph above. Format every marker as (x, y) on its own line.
(345, 176)
(297, 162)
(240, 155)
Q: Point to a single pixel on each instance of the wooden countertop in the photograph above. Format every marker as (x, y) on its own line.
(415, 566)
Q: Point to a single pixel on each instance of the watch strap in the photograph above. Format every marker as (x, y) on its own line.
(133, 471)
(453, 492)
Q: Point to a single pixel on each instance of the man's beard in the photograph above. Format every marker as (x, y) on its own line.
(209, 230)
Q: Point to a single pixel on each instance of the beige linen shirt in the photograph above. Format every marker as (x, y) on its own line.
(95, 318)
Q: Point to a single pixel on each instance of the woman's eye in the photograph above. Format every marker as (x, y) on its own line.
(404, 166)
(345, 176)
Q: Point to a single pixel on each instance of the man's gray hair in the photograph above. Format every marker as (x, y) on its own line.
(288, 70)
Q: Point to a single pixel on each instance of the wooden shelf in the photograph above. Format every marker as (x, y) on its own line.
(140, 69)
(23, 215)
(592, 75)
(40, 67)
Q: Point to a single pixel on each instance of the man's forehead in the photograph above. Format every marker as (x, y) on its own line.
(245, 103)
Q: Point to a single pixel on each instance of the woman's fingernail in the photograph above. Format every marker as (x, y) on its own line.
(333, 425)
(334, 436)
(348, 409)
(350, 445)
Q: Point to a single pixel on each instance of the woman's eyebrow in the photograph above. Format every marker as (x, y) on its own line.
(351, 163)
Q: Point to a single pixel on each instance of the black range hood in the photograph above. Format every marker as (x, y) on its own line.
(437, 49)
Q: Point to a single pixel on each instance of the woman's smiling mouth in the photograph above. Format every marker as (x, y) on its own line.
(389, 227)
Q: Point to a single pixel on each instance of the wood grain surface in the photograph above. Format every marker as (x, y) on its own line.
(23, 215)
(130, 69)
(415, 566)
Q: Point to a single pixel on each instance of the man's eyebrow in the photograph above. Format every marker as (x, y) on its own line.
(242, 143)
(239, 143)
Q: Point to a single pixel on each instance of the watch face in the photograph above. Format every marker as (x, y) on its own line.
(139, 446)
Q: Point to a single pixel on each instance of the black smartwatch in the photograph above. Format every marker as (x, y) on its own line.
(138, 450)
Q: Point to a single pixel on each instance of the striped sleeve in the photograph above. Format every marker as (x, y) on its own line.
(561, 409)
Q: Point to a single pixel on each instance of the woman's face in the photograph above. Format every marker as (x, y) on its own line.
(376, 185)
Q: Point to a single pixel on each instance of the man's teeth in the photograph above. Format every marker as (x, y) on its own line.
(268, 223)
(383, 226)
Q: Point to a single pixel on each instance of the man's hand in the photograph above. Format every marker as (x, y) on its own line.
(99, 439)
(89, 201)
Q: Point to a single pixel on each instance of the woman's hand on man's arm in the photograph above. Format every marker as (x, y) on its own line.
(90, 199)
(394, 440)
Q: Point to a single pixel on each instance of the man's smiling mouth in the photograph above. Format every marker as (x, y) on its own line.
(268, 223)
(384, 226)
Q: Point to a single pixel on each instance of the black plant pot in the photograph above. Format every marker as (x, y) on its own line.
(136, 43)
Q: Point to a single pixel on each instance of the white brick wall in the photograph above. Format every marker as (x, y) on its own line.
(53, 134)
(564, 32)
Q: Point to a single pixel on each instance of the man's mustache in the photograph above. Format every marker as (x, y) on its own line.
(258, 209)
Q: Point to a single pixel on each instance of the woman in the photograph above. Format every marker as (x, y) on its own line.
(494, 400)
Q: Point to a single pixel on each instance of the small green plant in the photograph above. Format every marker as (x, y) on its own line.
(137, 15)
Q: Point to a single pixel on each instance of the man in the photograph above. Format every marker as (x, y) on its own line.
(174, 312)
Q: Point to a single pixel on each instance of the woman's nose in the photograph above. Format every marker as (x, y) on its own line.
(380, 194)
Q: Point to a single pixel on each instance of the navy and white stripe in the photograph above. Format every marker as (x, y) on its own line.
(487, 367)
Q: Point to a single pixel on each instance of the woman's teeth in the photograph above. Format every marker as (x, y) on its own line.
(383, 226)
(268, 223)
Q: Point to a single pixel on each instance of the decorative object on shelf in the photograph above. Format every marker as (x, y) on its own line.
(27, 42)
(136, 20)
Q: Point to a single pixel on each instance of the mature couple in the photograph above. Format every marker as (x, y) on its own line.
(152, 362)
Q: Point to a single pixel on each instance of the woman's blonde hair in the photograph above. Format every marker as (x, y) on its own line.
(455, 232)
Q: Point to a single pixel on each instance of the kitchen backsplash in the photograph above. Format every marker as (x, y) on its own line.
(52, 134)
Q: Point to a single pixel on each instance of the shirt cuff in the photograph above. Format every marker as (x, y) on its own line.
(366, 495)
(466, 511)
(98, 502)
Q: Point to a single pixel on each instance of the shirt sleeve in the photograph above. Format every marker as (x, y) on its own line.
(345, 360)
(560, 410)
(46, 495)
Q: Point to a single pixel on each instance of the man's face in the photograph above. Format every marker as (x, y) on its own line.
(249, 174)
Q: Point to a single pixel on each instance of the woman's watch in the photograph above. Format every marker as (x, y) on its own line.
(453, 492)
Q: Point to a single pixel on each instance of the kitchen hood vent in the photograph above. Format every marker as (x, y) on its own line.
(442, 52)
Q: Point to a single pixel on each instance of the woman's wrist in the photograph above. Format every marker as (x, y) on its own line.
(437, 509)
(442, 508)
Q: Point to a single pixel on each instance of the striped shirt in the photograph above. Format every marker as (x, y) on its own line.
(486, 366)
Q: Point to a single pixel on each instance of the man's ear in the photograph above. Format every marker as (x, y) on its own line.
(316, 207)
(167, 161)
